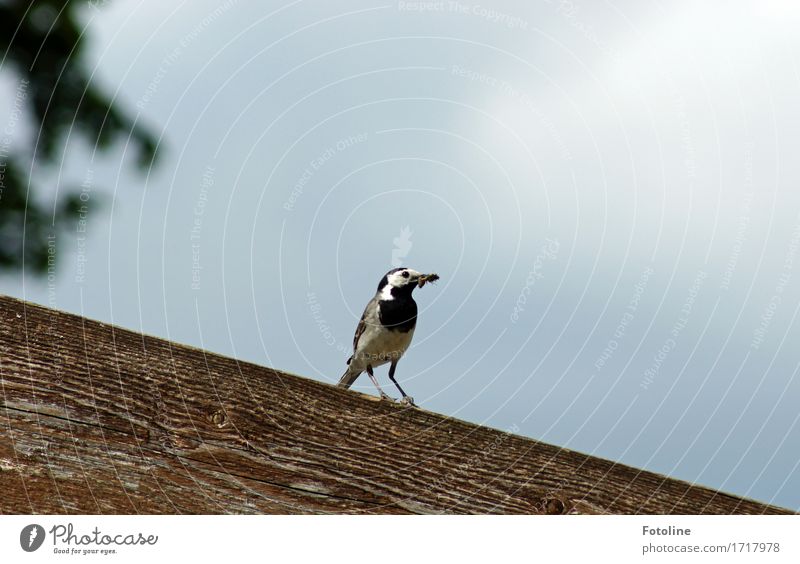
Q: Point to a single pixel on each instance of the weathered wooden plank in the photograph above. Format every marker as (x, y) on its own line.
(96, 419)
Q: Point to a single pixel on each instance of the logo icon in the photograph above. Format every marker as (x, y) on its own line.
(402, 246)
(31, 537)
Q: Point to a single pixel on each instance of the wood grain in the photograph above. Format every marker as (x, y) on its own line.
(97, 419)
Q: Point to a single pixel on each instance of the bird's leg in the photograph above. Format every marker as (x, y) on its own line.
(406, 398)
(384, 395)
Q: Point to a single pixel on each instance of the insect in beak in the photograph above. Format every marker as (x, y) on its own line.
(425, 278)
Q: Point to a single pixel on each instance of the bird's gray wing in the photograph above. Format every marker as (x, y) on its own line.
(366, 319)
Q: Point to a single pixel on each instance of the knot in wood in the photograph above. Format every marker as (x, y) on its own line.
(554, 506)
(219, 418)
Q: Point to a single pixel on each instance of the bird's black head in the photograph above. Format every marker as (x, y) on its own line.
(402, 281)
(399, 282)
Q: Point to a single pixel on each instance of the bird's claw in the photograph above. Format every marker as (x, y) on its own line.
(409, 401)
(385, 396)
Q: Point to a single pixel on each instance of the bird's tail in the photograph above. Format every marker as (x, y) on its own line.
(349, 375)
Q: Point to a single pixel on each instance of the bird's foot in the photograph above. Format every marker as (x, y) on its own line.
(387, 397)
(409, 401)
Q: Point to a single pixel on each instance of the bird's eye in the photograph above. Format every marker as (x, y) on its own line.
(405, 274)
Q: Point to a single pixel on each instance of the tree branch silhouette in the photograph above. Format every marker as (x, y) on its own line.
(41, 42)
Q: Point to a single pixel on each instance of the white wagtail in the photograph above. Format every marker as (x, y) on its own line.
(386, 328)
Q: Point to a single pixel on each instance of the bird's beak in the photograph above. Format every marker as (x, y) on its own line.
(424, 278)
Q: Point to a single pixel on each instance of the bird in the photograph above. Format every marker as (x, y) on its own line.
(386, 328)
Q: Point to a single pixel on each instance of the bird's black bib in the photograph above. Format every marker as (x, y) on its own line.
(399, 314)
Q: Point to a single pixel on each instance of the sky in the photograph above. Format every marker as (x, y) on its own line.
(607, 190)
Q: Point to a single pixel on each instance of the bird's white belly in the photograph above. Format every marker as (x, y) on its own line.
(380, 347)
